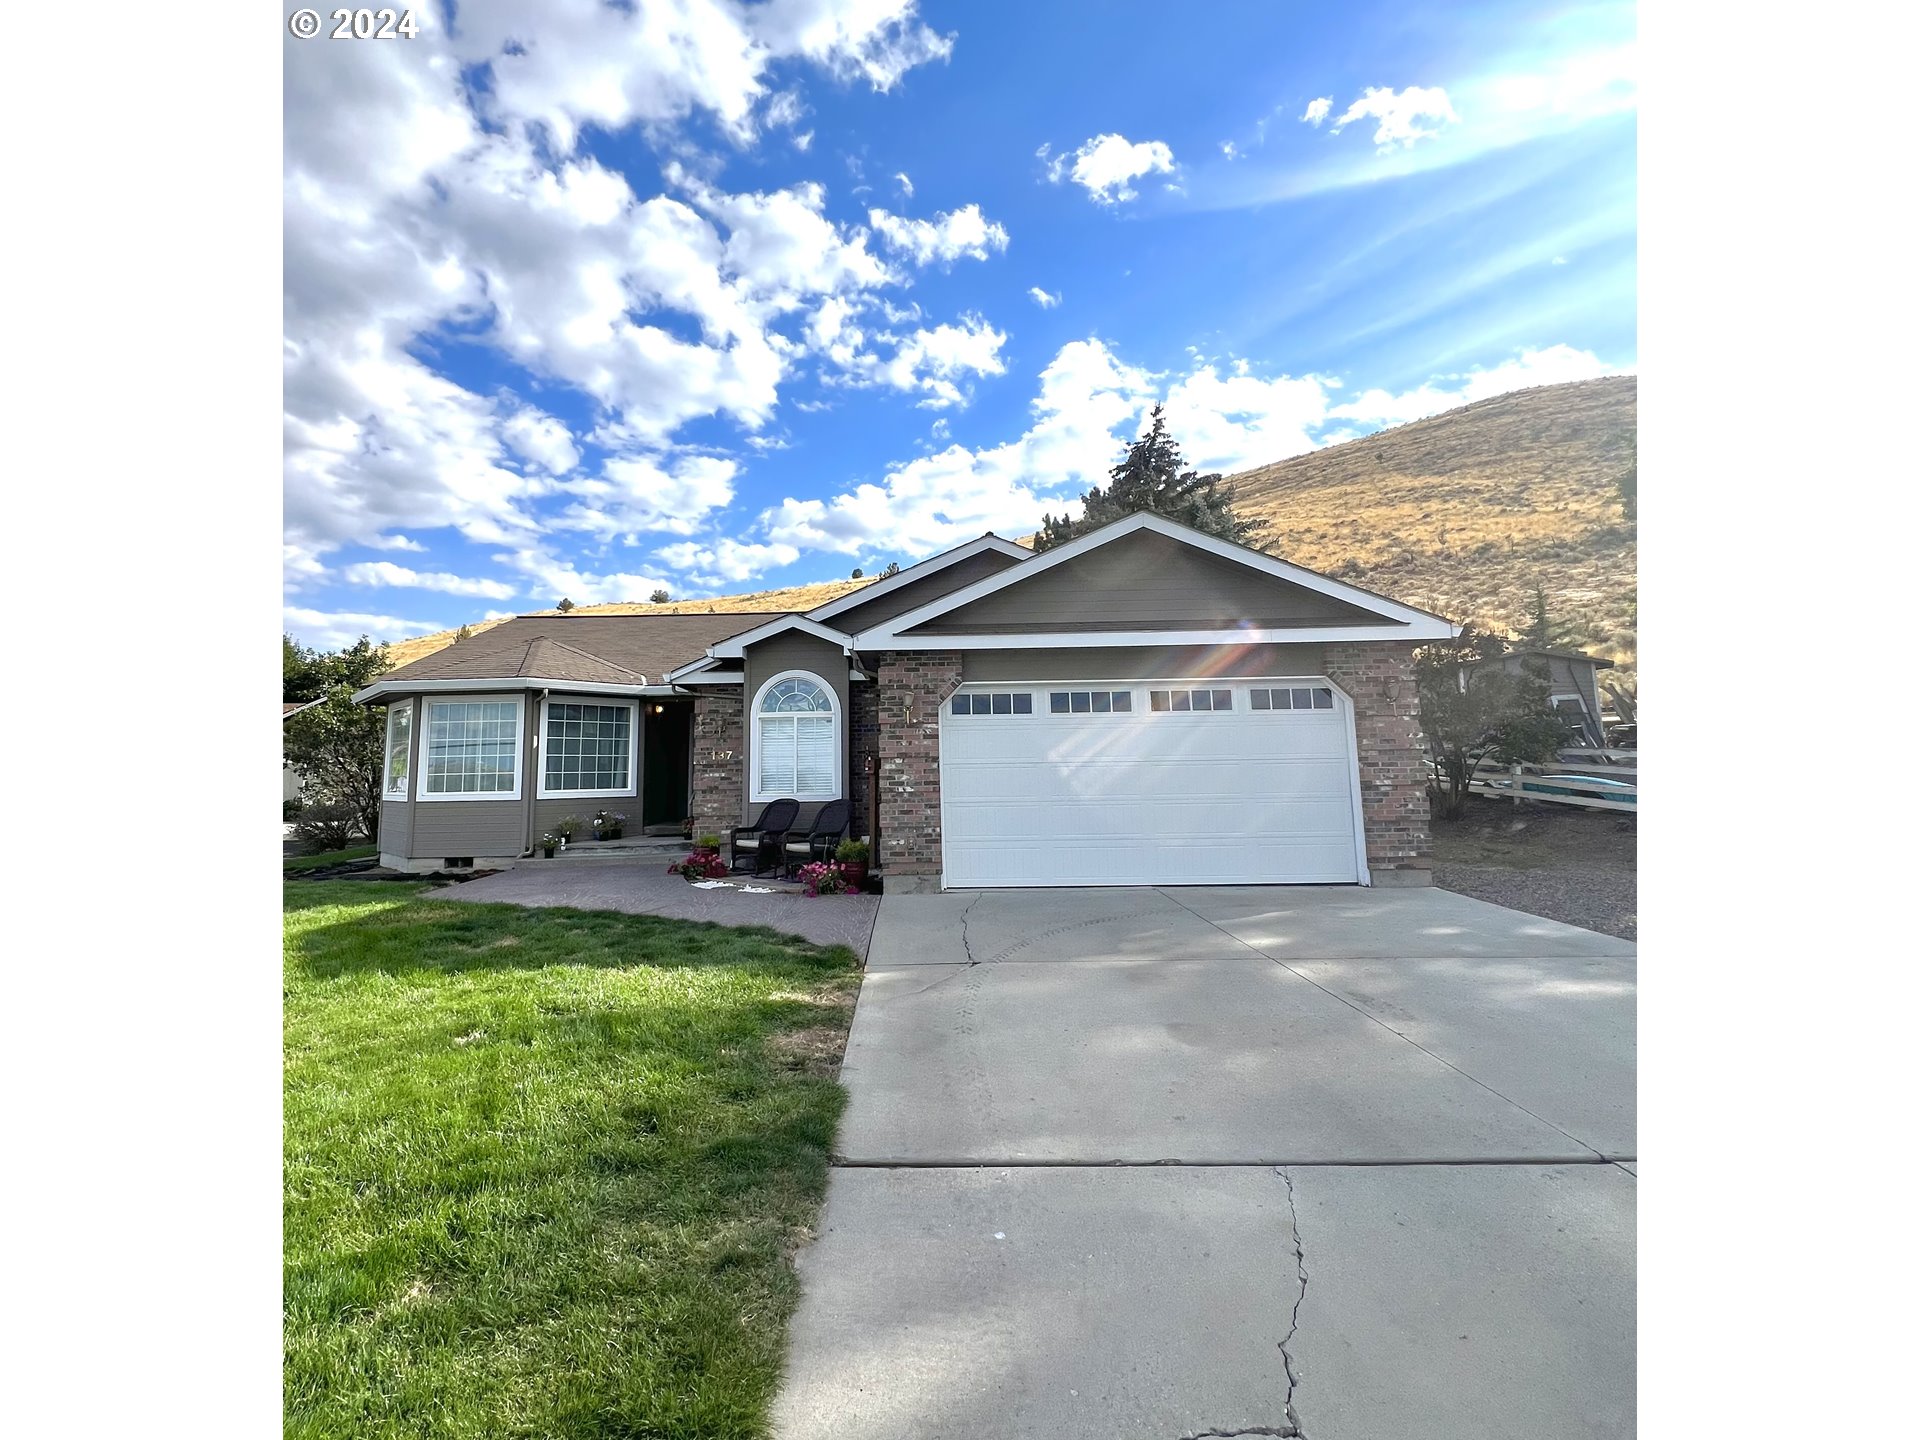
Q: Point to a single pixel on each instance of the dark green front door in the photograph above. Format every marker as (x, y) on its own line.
(664, 763)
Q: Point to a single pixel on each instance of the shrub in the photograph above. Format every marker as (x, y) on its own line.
(568, 826)
(702, 864)
(290, 809)
(326, 825)
(826, 878)
(851, 852)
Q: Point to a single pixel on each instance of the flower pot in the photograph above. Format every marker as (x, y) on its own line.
(856, 873)
(614, 834)
(547, 850)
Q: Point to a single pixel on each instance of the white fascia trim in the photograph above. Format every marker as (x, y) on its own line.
(693, 668)
(1104, 639)
(888, 635)
(930, 566)
(734, 647)
(481, 687)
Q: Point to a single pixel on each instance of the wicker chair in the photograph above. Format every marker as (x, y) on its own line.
(821, 837)
(765, 836)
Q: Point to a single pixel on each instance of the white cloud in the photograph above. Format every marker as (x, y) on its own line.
(938, 362)
(562, 579)
(905, 183)
(335, 630)
(635, 494)
(1230, 150)
(1399, 114)
(803, 142)
(1106, 164)
(1318, 110)
(394, 542)
(385, 572)
(1042, 298)
(1553, 365)
(724, 561)
(950, 235)
(541, 440)
(1236, 421)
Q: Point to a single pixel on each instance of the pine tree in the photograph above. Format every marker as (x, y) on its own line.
(564, 606)
(659, 597)
(858, 574)
(1153, 477)
(1542, 630)
(462, 633)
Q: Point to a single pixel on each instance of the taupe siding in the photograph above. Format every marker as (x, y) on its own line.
(1147, 582)
(444, 829)
(918, 592)
(1172, 662)
(793, 651)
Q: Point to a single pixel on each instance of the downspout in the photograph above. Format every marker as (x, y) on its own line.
(533, 779)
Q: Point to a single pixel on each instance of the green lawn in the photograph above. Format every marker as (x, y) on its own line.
(545, 1170)
(329, 857)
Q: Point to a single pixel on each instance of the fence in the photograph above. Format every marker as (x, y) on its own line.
(1599, 786)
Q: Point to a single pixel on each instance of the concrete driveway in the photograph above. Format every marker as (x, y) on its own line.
(1170, 1163)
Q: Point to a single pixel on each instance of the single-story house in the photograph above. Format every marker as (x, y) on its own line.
(1145, 705)
(1573, 687)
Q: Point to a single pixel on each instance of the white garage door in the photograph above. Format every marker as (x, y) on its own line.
(1200, 782)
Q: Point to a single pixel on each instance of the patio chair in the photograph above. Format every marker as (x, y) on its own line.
(764, 836)
(820, 839)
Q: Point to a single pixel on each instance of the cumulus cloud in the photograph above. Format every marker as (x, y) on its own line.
(385, 572)
(561, 578)
(950, 235)
(1042, 298)
(1551, 365)
(1398, 114)
(938, 363)
(723, 561)
(336, 630)
(1107, 164)
(1318, 110)
(637, 493)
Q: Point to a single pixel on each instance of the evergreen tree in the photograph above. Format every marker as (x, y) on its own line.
(659, 597)
(858, 574)
(893, 569)
(1541, 629)
(564, 606)
(462, 633)
(1153, 477)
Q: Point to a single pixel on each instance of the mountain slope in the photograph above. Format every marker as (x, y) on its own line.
(1464, 513)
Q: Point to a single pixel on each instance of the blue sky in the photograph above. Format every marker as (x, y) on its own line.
(589, 301)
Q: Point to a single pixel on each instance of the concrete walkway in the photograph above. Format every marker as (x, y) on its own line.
(1332, 1162)
(645, 888)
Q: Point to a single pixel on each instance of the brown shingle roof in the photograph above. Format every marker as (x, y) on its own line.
(601, 649)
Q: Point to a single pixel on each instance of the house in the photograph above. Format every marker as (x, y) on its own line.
(1573, 687)
(1144, 705)
(290, 781)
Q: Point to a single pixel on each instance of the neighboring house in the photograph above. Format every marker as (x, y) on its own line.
(1573, 686)
(289, 777)
(1143, 705)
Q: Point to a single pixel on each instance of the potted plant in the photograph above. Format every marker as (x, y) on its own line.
(565, 829)
(548, 843)
(599, 823)
(703, 864)
(609, 825)
(852, 855)
(825, 877)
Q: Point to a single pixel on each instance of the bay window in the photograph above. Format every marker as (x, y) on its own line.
(471, 750)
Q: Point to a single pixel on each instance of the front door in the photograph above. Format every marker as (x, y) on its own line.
(666, 758)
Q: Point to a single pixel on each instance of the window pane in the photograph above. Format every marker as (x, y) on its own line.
(961, 703)
(1082, 702)
(1303, 699)
(470, 747)
(1258, 698)
(1157, 699)
(795, 696)
(776, 754)
(399, 733)
(1202, 699)
(1183, 700)
(1023, 704)
(813, 757)
(1057, 702)
(1102, 702)
(1323, 699)
(1003, 704)
(1283, 699)
(1223, 699)
(587, 748)
(1123, 701)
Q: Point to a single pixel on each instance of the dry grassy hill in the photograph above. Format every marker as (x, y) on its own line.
(1466, 512)
(794, 597)
(1463, 513)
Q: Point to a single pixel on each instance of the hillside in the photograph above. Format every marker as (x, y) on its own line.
(1466, 512)
(1463, 513)
(794, 597)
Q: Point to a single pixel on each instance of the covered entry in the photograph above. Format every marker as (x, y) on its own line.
(1150, 782)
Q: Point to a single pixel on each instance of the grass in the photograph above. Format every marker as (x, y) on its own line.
(329, 857)
(545, 1169)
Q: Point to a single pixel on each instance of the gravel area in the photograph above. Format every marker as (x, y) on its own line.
(1574, 866)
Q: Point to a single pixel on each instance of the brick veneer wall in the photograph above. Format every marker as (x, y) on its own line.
(863, 705)
(1393, 761)
(719, 753)
(911, 688)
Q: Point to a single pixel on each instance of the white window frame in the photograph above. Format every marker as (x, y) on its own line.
(632, 789)
(519, 703)
(405, 792)
(756, 794)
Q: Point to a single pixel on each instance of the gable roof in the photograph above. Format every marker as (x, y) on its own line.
(916, 574)
(1361, 614)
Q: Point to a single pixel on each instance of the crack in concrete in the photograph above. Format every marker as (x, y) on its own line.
(1285, 1434)
(1300, 1265)
(966, 940)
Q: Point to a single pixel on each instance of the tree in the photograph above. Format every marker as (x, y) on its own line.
(564, 606)
(1473, 711)
(893, 569)
(339, 747)
(660, 597)
(1541, 629)
(1152, 477)
(464, 632)
(300, 676)
(858, 574)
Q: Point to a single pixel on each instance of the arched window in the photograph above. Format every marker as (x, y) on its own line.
(796, 740)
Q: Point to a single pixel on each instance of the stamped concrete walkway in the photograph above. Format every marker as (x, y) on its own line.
(644, 888)
(1169, 1163)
